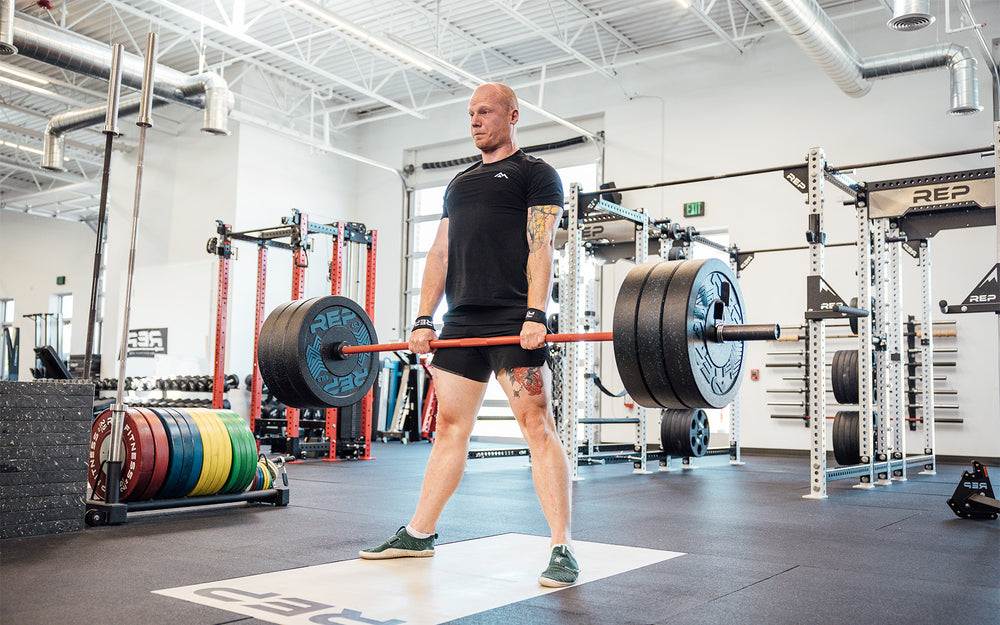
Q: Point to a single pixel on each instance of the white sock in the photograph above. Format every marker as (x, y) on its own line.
(415, 533)
(568, 547)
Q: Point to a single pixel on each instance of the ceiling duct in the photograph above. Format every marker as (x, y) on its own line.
(7, 28)
(813, 30)
(48, 44)
(910, 15)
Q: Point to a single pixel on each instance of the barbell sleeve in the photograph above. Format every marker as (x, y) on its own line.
(751, 332)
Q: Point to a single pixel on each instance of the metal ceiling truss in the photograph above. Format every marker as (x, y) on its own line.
(315, 69)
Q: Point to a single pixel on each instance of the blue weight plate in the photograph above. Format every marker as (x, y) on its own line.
(176, 451)
(198, 451)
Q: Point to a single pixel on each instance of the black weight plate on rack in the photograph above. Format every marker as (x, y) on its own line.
(684, 433)
(704, 373)
(315, 378)
(853, 321)
(855, 376)
(840, 377)
(847, 438)
(649, 341)
(624, 336)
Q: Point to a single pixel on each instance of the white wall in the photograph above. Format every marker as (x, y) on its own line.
(692, 114)
(249, 180)
(712, 112)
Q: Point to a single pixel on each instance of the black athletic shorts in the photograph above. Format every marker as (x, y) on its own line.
(476, 363)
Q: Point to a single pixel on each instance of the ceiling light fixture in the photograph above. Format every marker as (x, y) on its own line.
(23, 148)
(23, 74)
(684, 3)
(359, 33)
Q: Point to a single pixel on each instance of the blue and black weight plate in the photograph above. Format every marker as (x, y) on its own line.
(301, 367)
(704, 373)
(192, 441)
(175, 440)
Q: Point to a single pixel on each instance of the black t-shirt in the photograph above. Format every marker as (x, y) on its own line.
(487, 210)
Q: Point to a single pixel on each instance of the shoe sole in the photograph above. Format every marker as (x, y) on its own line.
(551, 583)
(395, 553)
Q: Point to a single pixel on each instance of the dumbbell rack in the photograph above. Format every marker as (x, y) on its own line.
(350, 239)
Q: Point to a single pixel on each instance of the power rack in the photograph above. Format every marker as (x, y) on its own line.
(347, 431)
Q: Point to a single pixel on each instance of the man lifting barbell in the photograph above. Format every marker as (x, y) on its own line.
(492, 259)
(678, 332)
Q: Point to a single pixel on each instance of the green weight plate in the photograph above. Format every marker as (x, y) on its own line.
(624, 336)
(235, 447)
(649, 340)
(244, 452)
(704, 373)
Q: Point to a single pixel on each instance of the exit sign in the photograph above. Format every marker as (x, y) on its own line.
(694, 209)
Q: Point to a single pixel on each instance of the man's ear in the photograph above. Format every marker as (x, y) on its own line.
(513, 116)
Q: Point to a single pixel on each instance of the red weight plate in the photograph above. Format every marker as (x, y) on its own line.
(161, 454)
(137, 454)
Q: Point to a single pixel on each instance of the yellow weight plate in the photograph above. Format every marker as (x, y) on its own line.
(225, 450)
(218, 444)
(210, 453)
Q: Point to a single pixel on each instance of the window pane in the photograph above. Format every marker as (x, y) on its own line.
(423, 235)
(66, 306)
(428, 201)
(584, 175)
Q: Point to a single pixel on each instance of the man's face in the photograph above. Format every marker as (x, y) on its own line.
(490, 119)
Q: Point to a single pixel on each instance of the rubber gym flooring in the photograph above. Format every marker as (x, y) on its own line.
(751, 550)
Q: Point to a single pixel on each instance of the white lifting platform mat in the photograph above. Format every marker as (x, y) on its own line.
(462, 578)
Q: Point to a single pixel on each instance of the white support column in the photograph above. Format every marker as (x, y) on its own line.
(880, 310)
(816, 339)
(865, 345)
(926, 340)
(734, 407)
(641, 254)
(569, 306)
(897, 359)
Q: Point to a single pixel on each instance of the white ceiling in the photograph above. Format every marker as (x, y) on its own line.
(311, 68)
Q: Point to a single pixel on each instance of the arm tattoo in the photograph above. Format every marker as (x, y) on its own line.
(525, 379)
(539, 232)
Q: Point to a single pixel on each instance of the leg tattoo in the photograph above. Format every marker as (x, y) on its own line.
(525, 379)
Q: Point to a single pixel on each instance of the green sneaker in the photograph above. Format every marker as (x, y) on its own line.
(402, 545)
(563, 569)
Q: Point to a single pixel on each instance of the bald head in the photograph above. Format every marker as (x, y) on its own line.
(501, 93)
(493, 114)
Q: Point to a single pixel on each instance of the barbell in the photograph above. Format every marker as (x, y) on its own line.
(677, 333)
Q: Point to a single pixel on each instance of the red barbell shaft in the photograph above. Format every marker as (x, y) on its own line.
(478, 342)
